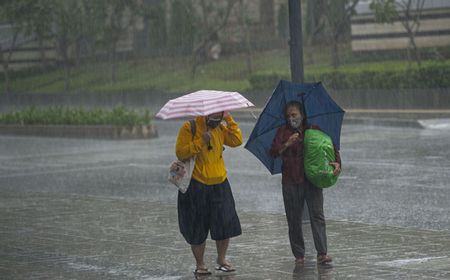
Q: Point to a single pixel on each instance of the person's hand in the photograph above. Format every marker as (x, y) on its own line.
(337, 168)
(206, 136)
(294, 137)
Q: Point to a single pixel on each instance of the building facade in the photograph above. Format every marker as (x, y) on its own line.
(369, 35)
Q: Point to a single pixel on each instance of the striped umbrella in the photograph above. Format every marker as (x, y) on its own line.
(203, 103)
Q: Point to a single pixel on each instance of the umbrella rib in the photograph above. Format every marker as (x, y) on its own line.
(268, 114)
(322, 114)
(266, 131)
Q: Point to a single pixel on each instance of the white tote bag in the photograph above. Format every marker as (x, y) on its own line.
(180, 173)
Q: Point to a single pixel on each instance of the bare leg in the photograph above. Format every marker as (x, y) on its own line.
(199, 252)
(222, 246)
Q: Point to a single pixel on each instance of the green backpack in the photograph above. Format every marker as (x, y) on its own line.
(319, 152)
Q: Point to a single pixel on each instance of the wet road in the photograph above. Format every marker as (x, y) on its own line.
(391, 176)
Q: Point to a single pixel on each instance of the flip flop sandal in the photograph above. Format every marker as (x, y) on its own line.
(202, 271)
(225, 268)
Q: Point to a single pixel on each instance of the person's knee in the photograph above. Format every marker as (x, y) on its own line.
(318, 218)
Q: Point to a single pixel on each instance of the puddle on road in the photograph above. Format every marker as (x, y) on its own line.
(408, 262)
(436, 123)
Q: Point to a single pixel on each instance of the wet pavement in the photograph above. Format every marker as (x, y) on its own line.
(99, 209)
(62, 236)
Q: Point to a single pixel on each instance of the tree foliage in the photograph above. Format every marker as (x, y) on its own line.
(409, 13)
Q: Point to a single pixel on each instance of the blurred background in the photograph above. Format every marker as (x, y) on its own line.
(368, 53)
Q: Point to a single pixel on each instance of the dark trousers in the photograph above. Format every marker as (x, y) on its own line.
(204, 209)
(294, 196)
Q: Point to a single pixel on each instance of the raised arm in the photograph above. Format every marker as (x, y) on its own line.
(232, 133)
(185, 146)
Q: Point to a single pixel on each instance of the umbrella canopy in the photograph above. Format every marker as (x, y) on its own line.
(203, 103)
(320, 109)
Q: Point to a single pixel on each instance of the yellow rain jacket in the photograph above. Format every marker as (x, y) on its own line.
(209, 165)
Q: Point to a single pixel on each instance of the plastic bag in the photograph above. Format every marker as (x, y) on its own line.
(319, 152)
(180, 173)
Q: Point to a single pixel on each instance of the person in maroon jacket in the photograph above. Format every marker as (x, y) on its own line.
(288, 144)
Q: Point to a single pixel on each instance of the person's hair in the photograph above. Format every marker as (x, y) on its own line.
(295, 104)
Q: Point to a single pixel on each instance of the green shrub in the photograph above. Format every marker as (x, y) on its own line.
(431, 75)
(118, 116)
(263, 81)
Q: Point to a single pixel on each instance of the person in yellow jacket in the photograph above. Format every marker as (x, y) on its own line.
(208, 204)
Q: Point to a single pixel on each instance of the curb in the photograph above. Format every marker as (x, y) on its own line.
(76, 131)
(383, 122)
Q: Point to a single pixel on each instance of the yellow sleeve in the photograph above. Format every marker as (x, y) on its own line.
(186, 147)
(232, 133)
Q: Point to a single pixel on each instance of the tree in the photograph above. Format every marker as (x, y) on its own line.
(213, 18)
(244, 23)
(33, 18)
(155, 37)
(267, 16)
(315, 20)
(387, 11)
(329, 21)
(5, 58)
(91, 20)
(338, 13)
(121, 15)
(182, 27)
(315, 23)
(283, 22)
(16, 14)
(67, 19)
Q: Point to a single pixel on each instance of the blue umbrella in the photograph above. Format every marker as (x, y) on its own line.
(320, 110)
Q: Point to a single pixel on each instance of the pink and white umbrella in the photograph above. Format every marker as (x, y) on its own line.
(203, 103)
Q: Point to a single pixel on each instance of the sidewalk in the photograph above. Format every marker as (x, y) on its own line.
(56, 236)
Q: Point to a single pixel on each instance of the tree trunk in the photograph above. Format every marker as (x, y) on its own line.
(5, 63)
(77, 52)
(113, 62)
(415, 50)
(248, 48)
(63, 50)
(5, 71)
(411, 24)
(66, 64)
(335, 52)
(311, 31)
(202, 48)
(66, 76)
(266, 11)
(42, 52)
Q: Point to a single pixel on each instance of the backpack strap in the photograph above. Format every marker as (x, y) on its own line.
(193, 128)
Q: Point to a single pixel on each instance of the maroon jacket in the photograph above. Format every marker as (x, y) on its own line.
(292, 170)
